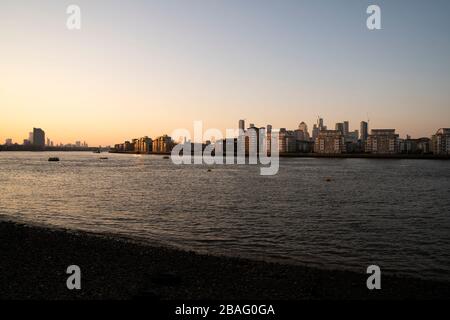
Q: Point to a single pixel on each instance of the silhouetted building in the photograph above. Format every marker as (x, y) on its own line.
(383, 141)
(320, 124)
(408, 145)
(440, 142)
(415, 146)
(242, 125)
(424, 145)
(340, 127)
(352, 144)
(352, 136)
(346, 128)
(364, 131)
(38, 137)
(8, 142)
(329, 142)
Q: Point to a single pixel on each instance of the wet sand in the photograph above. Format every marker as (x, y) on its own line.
(33, 263)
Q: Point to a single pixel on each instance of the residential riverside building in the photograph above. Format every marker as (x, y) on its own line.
(407, 145)
(415, 146)
(305, 146)
(143, 145)
(329, 142)
(352, 136)
(229, 145)
(290, 141)
(38, 137)
(423, 145)
(287, 141)
(440, 142)
(162, 144)
(128, 146)
(300, 135)
(383, 141)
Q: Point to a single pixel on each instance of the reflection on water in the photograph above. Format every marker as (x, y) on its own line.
(394, 213)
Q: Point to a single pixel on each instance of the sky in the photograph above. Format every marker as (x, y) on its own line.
(141, 68)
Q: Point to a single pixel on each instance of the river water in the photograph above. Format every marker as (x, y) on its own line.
(392, 213)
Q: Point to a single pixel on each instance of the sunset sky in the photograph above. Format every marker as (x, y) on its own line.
(148, 67)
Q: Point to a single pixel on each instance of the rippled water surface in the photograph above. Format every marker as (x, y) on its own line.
(393, 213)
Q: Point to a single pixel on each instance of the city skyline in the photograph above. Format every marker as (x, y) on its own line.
(319, 125)
(151, 67)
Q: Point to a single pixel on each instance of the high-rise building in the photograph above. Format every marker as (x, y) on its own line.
(346, 128)
(252, 141)
(315, 132)
(364, 131)
(38, 137)
(30, 137)
(320, 123)
(304, 128)
(329, 142)
(340, 127)
(8, 142)
(269, 128)
(440, 142)
(383, 141)
(242, 125)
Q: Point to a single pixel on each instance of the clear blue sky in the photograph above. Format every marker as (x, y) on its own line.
(147, 67)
